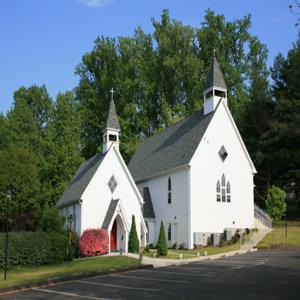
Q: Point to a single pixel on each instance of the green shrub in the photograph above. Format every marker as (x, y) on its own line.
(147, 249)
(74, 243)
(275, 203)
(181, 246)
(35, 248)
(162, 249)
(26, 249)
(235, 238)
(133, 243)
(151, 246)
(52, 221)
(61, 248)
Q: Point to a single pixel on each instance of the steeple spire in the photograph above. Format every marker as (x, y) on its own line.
(215, 88)
(112, 130)
(215, 76)
(112, 121)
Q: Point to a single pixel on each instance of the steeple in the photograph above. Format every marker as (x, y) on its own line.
(215, 88)
(112, 130)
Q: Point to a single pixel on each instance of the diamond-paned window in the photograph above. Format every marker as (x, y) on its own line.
(223, 153)
(112, 183)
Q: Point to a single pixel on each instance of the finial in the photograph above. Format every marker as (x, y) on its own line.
(112, 93)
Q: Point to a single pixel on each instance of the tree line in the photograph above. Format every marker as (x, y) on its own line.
(159, 79)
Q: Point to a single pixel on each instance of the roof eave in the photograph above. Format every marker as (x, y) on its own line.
(71, 202)
(161, 173)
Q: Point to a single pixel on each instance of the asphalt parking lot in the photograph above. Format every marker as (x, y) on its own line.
(257, 275)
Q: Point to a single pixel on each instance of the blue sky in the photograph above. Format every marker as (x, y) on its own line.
(42, 41)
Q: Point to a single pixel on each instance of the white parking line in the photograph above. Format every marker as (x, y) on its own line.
(181, 273)
(235, 266)
(147, 278)
(117, 286)
(198, 269)
(68, 294)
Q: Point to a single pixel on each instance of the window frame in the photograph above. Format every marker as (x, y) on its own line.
(147, 234)
(223, 154)
(112, 183)
(223, 190)
(169, 234)
(223, 195)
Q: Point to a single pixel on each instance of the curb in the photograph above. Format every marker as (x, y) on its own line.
(179, 262)
(52, 281)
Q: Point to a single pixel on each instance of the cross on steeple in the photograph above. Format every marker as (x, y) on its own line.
(112, 91)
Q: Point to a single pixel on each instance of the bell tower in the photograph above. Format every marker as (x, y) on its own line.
(215, 88)
(112, 130)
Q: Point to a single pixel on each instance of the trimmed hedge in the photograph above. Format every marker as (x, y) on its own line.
(35, 248)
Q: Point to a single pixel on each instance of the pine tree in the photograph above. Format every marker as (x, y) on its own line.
(133, 243)
(162, 249)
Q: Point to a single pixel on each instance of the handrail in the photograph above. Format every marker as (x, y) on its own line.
(262, 216)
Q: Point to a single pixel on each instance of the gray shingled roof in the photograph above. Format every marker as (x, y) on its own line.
(110, 213)
(112, 118)
(170, 148)
(215, 76)
(148, 211)
(81, 180)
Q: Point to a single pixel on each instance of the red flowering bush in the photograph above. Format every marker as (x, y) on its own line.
(94, 242)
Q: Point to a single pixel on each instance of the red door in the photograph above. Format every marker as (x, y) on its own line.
(113, 237)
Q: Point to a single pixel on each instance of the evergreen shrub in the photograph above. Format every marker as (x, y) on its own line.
(133, 243)
(162, 248)
(94, 242)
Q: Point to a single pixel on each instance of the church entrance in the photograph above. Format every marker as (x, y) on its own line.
(113, 236)
(118, 235)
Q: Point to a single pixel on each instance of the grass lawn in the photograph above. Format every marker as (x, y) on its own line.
(174, 254)
(277, 239)
(85, 266)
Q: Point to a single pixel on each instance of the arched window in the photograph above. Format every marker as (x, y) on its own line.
(228, 187)
(218, 187)
(223, 190)
(223, 180)
(169, 191)
(218, 190)
(228, 190)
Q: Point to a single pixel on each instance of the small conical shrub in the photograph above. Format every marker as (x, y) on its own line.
(133, 243)
(162, 248)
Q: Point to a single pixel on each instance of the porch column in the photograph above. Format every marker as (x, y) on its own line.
(126, 241)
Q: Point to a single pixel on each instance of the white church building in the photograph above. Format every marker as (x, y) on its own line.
(195, 176)
(103, 194)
